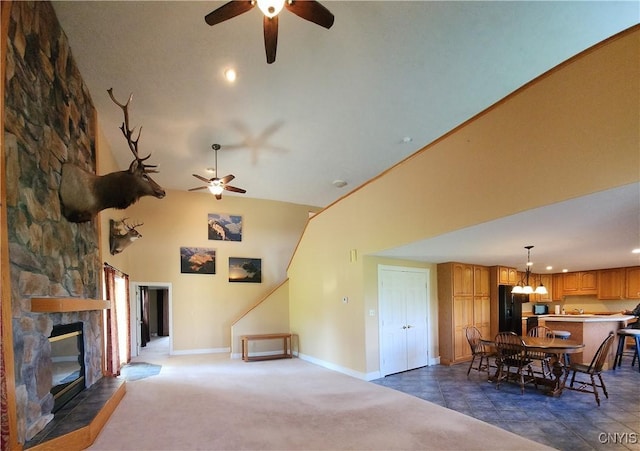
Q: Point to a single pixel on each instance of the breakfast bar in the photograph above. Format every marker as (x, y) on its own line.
(589, 329)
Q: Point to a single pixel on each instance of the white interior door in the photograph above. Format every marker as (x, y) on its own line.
(403, 313)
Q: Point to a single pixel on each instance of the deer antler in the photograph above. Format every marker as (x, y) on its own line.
(128, 226)
(128, 133)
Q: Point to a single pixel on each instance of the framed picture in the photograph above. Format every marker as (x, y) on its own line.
(245, 270)
(197, 260)
(224, 227)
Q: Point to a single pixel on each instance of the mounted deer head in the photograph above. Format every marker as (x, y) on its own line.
(84, 194)
(122, 235)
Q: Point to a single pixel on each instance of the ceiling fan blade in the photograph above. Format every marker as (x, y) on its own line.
(198, 188)
(270, 37)
(312, 11)
(227, 179)
(234, 189)
(201, 178)
(228, 11)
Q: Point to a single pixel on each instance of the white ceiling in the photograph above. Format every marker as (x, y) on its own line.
(338, 103)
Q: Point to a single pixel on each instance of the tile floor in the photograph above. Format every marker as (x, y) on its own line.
(572, 421)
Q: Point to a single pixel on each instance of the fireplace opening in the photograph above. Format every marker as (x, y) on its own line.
(67, 357)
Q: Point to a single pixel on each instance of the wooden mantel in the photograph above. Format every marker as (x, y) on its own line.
(61, 305)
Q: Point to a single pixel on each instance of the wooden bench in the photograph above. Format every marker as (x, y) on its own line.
(286, 346)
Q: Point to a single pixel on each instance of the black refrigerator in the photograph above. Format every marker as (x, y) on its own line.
(510, 309)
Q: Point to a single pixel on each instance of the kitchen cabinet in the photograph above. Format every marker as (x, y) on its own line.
(632, 277)
(481, 281)
(507, 276)
(611, 283)
(462, 279)
(557, 287)
(545, 279)
(580, 283)
(463, 300)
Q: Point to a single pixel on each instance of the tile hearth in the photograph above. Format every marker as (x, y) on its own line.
(80, 412)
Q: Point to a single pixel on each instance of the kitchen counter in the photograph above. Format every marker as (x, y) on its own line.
(587, 318)
(590, 329)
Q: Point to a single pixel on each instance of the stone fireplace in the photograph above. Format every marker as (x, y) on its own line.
(49, 120)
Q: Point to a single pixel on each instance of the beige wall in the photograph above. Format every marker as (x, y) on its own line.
(205, 306)
(268, 317)
(575, 131)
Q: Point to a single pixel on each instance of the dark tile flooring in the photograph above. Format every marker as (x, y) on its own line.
(572, 421)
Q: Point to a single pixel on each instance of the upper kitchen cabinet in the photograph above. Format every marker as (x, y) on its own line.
(462, 279)
(611, 283)
(582, 282)
(507, 276)
(557, 287)
(547, 281)
(481, 285)
(633, 282)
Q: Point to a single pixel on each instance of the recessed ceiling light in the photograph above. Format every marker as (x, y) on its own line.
(407, 139)
(210, 170)
(549, 268)
(565, 270)
(230, 75)
(636, 251)
(339, 183)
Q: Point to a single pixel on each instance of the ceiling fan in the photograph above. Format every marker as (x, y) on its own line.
(310, 10)
(217, 185)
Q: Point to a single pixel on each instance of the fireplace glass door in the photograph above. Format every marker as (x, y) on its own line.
(67, 357)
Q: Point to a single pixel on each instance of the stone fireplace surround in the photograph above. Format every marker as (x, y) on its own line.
(49, 120)
(56, 311)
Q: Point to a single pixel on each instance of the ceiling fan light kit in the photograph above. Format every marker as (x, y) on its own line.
(217, 185)
(271, 8)
(309, 10)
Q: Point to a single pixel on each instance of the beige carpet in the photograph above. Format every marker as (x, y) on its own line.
(209, 402)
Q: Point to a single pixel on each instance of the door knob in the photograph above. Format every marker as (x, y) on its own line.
(409, 326)
(404, 327)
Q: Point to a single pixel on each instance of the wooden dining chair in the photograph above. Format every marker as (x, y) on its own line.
(478, 350)
(513, 360)
(592, 370)
(539, 356)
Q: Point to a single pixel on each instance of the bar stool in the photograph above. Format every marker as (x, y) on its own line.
(623, 334)
(563, 335)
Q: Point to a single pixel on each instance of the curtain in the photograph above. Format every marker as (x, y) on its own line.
(118, 339)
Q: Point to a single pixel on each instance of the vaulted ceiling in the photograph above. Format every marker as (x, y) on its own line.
(341, 104)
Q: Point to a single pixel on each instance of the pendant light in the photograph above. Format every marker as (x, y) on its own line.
(523, 287)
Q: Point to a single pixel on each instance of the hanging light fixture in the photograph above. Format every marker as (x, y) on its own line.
(523, 287)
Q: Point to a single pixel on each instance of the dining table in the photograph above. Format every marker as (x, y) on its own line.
(555, 348)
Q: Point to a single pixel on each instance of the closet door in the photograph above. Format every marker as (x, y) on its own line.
(403, 317)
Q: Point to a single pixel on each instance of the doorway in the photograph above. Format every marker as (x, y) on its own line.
(151, 318)
(403, 302)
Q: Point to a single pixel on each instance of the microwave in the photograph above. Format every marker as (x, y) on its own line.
(540, 309)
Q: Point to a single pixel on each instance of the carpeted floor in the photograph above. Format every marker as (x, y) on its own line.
(209, 402)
